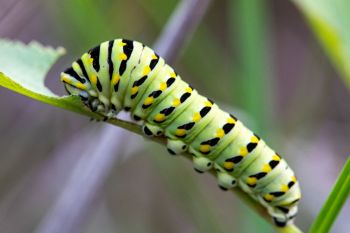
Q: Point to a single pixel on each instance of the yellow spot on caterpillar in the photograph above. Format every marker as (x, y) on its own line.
(243, 151)
(204, 148)
(254, 139)
(231, 121)
(162, 86)
(180, 132)
(154, 56)
(123, 56)
(220, 133)
(66, 79)
(268, 197)
(93, 79)
(80, 86)
(173, 74)
(228, 165)
(159, 117)
(115, 79)
(90, 60)
(266, 168)
(176, 102)
(196, 117)
(121, 43)
(251, 180)
(188, 89)
(134, 90)
(294, 179)
(284, 188)
(146, 70)
(149, 100)
(208, 104)
(276, 158)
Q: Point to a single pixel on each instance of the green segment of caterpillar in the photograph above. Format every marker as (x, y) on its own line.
(127, 75)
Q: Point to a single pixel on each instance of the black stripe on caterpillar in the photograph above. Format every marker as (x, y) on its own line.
(126, 75)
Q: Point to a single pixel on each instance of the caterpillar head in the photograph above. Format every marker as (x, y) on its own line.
(78, 86)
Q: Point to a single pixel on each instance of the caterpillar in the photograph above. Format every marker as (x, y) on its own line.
(127, 75)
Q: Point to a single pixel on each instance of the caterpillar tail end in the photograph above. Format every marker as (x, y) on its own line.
(282, 219)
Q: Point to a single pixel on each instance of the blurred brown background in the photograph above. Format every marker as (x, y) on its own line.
(296, 102)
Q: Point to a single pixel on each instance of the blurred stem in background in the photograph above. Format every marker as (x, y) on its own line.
(249, 32)
(88, 23)
(184, 21)
(196, 55)
(334, 203)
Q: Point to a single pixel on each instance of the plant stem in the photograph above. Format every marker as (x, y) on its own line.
(334, 203)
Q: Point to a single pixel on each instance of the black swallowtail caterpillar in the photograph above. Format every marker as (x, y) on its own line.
(127, 75)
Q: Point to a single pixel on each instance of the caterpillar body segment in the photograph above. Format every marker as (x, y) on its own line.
(126, 75)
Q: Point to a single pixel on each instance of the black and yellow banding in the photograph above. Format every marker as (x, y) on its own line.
(126, 75)
(264, 170)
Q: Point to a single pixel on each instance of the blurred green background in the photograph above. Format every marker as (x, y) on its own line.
(259, 60)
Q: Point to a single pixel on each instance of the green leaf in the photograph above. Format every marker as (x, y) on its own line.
(330, 21)
(23, 69)
(334, 203)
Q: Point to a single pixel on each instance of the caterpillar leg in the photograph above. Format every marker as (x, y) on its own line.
(225, 180)
(100, 109)
(176, 146)
(282, 216)
(201, 164)
(279, 222)
(152, 130)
